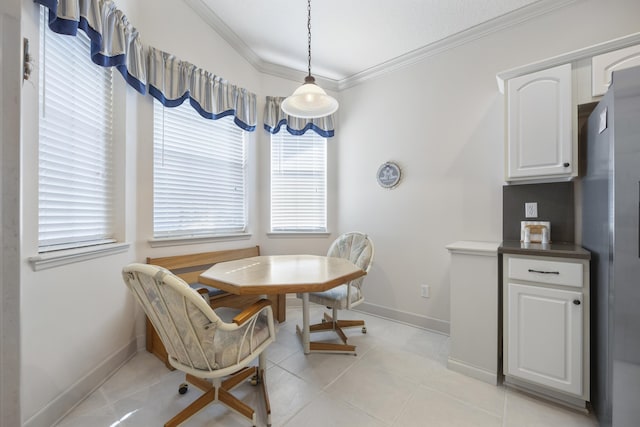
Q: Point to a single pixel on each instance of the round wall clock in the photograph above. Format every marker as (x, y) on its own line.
(388, 175)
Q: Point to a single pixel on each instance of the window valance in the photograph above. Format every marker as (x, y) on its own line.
(116, 43)
(275, 118)
(172, 81)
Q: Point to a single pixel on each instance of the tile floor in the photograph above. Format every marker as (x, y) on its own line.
(399, 378)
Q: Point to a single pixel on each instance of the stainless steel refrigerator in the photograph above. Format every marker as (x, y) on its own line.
(610, 212)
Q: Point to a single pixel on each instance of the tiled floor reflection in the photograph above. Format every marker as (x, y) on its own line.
(399, 378)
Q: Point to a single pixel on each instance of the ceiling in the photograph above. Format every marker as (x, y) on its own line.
(353, 38)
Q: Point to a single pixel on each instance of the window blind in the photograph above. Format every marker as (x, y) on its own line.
(75, 144)
(298, 182)
(199, 174)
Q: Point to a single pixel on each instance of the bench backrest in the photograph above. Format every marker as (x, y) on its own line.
(190, 266)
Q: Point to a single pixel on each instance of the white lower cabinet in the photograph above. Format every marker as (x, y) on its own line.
(545, 326)
(545, 336)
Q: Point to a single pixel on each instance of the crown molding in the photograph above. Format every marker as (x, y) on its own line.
(474, 33)
(565, 58)
(296, 75)
(497, 24)
(218, 25)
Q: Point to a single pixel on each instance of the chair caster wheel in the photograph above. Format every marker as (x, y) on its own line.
(364, 330)
(184, 387)
(254, 380)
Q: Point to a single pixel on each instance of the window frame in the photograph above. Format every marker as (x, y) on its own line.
(60, 257)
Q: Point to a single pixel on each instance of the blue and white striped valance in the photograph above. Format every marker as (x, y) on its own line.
(172, 81)
(274, 118)
(116, 43)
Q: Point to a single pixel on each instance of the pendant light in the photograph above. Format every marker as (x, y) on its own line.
(309, 100)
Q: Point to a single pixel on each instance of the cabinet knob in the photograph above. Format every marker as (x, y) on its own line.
(576, 301)
(566, 165)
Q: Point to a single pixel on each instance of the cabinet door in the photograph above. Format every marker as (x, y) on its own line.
(544, 336)
(539, 132)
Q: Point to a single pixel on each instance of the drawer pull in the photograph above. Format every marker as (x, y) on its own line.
(543, 272)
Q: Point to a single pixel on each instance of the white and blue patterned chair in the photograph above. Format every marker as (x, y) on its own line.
(213, 348)
(358, 248)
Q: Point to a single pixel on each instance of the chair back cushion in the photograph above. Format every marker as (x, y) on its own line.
(358, 248)
(186, 324)
(354, 246)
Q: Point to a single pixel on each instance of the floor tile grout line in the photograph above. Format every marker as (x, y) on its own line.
(404, 406)
(464, 402)
(504, 408)
(290, 348)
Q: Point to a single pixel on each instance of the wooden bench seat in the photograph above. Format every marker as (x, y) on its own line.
(189, 267)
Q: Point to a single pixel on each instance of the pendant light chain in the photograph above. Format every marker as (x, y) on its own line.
(309, 32)
(309, 101)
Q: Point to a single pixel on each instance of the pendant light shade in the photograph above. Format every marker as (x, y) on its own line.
(309, 100)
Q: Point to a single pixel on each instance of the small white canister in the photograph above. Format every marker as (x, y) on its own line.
(545, 235)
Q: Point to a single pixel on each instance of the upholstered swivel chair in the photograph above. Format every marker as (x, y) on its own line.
(213, 348)
(358, 248)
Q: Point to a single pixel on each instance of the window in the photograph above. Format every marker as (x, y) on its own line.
(298, 182)
(199, 175)
(75, 173)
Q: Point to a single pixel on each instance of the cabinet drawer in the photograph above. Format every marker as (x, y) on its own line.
(543, 271)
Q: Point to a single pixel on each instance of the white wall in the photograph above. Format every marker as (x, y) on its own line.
(442, 121)
(10, 81)
(78, 320)
(446, 120)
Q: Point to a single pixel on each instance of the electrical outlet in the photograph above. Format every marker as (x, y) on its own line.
(531, 210)
(425, 291)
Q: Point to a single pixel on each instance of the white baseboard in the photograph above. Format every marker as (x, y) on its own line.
(473, 371)
(141, 343)
(77, 392)
(412, 319)
(293, 301)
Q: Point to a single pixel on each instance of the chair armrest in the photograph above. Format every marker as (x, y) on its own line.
(251, 311)
(202, 291)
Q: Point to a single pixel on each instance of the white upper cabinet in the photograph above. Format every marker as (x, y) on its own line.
(541, 101)
(540, 143)
(603, 66)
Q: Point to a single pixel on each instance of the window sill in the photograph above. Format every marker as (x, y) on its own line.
(69, 256)
(177, 241)
(301, 234)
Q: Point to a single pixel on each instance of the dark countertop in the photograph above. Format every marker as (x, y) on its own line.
(561, 250)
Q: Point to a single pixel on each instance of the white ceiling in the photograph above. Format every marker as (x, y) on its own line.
(351, 38)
